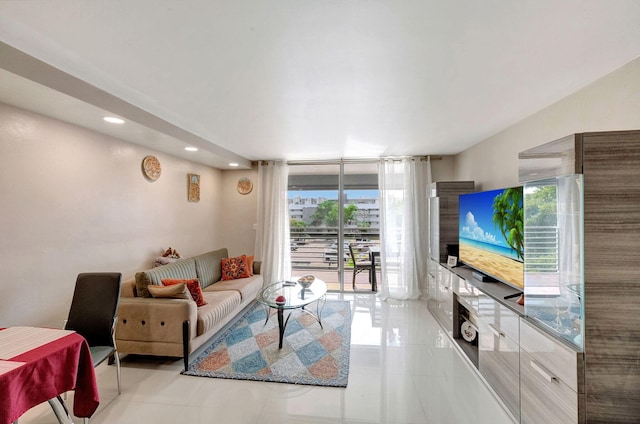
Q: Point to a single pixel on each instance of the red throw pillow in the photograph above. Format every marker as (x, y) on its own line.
(234, 268)
(192, 285)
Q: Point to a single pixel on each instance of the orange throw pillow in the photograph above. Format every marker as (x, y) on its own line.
(234, 268)
(192, 285)
(249, 260)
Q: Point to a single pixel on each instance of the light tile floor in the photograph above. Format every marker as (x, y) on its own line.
(403, 369)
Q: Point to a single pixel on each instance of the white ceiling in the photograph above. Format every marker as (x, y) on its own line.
(308, 79)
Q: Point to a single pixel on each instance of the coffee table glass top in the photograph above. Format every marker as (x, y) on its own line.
(295, 295)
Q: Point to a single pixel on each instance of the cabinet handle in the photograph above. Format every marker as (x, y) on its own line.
(543, 372)
(445, 287)
(495, 331)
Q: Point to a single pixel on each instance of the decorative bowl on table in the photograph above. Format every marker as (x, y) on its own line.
(306, 281)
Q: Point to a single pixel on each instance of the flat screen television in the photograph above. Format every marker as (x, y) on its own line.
(491, 234)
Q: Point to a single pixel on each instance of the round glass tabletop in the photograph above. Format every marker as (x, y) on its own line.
(295, 296)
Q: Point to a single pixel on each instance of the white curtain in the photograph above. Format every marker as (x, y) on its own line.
(272, 235)
(403, 186)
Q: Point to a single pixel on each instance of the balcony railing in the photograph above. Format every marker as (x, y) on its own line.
(541, 249)
(314, 250)
(317, 247)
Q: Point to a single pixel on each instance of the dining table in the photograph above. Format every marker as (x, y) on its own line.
(38, 365)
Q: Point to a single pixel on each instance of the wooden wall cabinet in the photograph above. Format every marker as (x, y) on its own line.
(592, 374)
(443, 216)
(610, 294)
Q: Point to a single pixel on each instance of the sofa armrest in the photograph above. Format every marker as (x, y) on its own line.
(128, 288)
(155, 320)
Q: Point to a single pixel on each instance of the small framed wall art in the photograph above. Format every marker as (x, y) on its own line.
(194, 188)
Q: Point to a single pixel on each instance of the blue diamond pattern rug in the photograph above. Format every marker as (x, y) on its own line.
(248, 349)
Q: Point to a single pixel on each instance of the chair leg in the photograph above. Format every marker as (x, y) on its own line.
(354, 279)
(117, 358)
(60, 410)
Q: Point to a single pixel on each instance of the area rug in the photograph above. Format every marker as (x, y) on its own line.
(248, 349)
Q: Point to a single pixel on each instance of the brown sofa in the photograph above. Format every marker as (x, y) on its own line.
(177, 327)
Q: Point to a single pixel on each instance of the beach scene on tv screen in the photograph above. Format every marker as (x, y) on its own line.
(491, 234)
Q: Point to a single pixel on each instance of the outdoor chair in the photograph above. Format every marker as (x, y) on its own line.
(359, 266)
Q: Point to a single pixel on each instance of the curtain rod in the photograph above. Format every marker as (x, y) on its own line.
(349, 160)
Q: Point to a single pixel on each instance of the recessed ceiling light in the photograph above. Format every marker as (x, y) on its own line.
(233, 164)
(113, 120)
(191, 149)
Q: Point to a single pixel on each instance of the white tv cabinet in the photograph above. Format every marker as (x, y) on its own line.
(540, 374)
(455, 297)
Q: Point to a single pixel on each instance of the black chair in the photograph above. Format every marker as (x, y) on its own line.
(359, 266)
(93, 314)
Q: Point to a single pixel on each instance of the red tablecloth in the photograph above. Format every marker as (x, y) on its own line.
(50, 370)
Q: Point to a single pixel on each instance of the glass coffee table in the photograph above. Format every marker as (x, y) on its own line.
(295, 297)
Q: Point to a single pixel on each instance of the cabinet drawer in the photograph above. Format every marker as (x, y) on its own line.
(444, 308)
(543, 399)
(499, 364)
(454, 281)
(499, 318)
(432, 288)
(444, 277)
(433, 266)
(559, 359)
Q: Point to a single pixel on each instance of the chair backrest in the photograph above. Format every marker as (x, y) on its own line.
(353, 256)
(94, 306)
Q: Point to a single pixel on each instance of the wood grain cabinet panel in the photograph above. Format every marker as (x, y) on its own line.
(499, 363)
(443, 209)
(608, 379)
(561, 360)
(500, 318)
(545, 398)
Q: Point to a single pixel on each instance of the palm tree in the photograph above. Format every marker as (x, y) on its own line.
(508, 217)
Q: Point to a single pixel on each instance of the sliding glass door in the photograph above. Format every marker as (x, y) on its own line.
(335, 223)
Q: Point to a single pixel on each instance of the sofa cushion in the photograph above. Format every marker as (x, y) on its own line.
(247, 287)
(184, 269)
(220, 304)
(193, 286)
(208, 266)
(176, 291)
(234, 268)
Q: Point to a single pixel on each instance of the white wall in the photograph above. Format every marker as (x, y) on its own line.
(611, 103)
(72, 201)
(442, 169)
(239, 213)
